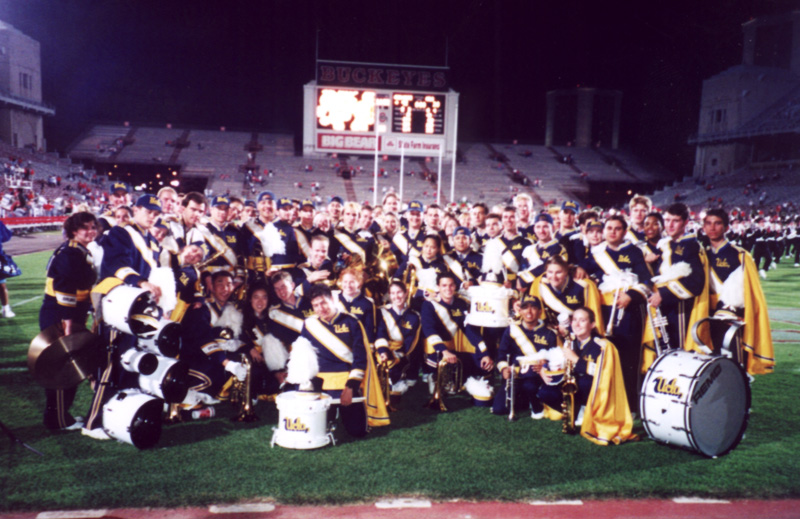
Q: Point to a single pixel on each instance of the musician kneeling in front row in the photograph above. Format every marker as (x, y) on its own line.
(340, 344)
(519, 347)
(604, 414)
(447, 335)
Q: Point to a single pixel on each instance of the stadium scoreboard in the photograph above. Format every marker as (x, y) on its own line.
(342, 117)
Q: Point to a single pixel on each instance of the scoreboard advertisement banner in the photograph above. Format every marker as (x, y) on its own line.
(343, 119)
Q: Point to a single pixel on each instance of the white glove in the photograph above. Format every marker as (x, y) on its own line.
(237, 370)
(563, 319)
(231, 345)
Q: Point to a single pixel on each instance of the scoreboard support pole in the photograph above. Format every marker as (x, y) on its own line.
(439, 178)
(402, 171)
(375, 173)
(455, 155)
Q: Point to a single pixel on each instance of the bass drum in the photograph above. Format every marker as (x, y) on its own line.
(695, 401)
(133, 417)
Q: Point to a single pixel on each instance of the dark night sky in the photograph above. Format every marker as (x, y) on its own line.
(243, 63)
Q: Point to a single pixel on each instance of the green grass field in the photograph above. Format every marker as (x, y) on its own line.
(466, 453)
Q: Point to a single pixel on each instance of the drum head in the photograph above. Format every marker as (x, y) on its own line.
(145, 428)
(175, 384)
(719, 407)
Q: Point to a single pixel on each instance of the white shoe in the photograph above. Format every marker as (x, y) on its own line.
(7, 312)
(400, 387)
(762, 274)
(74, 427)
(579, 419)
(537, 416)
(411, 382)
(773, 266)
(797, 265)
(97, 434)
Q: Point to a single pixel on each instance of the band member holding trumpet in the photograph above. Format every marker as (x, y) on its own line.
(448, 338)
(681, 286)
(624, 283)
(604, 416)
(736, 295)
(519, 344)
(398, 337)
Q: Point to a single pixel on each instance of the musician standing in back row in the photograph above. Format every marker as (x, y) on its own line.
(736, 295)
(624, 284)
(681, 287)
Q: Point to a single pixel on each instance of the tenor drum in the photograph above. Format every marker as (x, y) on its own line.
(695, 401)
(302, 420)
(488, 306)
(133, 417)
(123, 303)
(169, 381)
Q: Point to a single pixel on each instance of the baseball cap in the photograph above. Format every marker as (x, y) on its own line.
(528, 300)
(149, 202)
(266, 194)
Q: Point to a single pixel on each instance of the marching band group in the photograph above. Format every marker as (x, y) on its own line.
(286, 295)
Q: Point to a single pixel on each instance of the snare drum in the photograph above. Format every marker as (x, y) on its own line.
(488, 306)
(695, 401)
(302, 420)
(133, 417)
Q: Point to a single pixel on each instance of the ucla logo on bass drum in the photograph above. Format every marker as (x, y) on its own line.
(294, 424)
(668, 388)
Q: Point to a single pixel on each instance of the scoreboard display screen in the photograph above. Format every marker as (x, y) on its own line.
(418, 113)
(354, 111)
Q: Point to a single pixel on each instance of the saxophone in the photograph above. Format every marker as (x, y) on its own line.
(568, 390)
(241, 394)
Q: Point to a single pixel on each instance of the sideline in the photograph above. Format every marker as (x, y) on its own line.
(678, 508)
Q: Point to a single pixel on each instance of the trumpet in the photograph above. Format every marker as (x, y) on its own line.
(568, 390)
(241, 394)
(659, 326)
(511, 398)
(206, 262)
(449, 380)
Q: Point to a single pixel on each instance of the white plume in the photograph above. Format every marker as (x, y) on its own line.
(274, 352)
(271, 240)
(675, 271)
(493, 256)
(620, 279)
(732, 292)
(163, 278)
(303, 364)
(479, 387)
(427, 278)
(529, 253)
(231, 318)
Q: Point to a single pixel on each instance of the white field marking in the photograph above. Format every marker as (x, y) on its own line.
(72, 514)
(403, 503)
(244, 508)
(699, 500)
(572, 502)
(20, 303)
(14, 369)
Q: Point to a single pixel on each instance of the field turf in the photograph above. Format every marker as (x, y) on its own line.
(466, 453)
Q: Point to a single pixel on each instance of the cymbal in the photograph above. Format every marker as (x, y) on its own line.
(60, 362)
